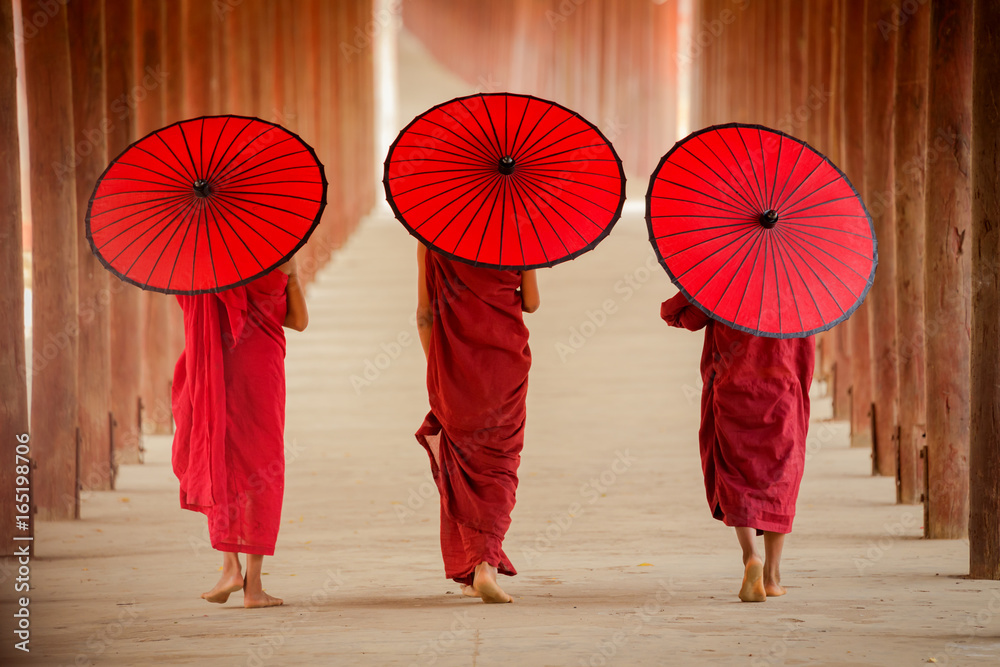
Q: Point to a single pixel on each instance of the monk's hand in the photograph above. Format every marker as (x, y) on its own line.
(289, 268)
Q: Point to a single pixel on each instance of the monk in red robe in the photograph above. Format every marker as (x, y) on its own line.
(472, 330)
(754, 420)
(229, 407)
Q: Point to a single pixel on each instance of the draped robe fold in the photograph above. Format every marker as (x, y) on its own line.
(477, 381)
(754, 419)
(228, 401)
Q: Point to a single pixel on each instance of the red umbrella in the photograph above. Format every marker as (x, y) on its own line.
(505, 181)
(206, 204)
(760, 231)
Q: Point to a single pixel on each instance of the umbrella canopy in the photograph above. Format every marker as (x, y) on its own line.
(760, 231)
(206, 204)
(505, 181)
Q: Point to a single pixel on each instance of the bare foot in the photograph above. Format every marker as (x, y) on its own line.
(469, 591)
(485, 583)
(773, 589)
(752, 589)
(228, 583)
(260, 599)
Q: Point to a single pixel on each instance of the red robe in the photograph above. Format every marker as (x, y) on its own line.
(477, 380)
(754, 419)
(229, 406)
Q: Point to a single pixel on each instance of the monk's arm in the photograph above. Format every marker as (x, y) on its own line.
(530, 299)
(425, 313)
(297, 317)
(678, 312)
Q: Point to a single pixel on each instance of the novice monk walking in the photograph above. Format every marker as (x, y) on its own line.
(472, 330)
(754, 420)
(229, 406)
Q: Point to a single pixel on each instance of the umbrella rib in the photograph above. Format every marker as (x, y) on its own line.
(211, 172)
(839, 245)
(442, 182)
(739, 232)
(552, 144)
(763, 169)
(553, 188)
(229, 209)
(801, 241)
(229, 201)
(826, 215)
(781, 204)
(788, 179)
(735, 213)
(689, 215)
(177, 255)
(187, 146)
(529, 151)
(734, 209)
(753, 266)
(218, 138)
(231, 168)
(517, 133)
(763, 287)
(176, 193)
(167, 146)
(793, 246)
(535, 188)
(472, 159)
(701, 229)
(549, 223)
(476, 154)
(823, 203)
(748, 237)
(230, 195)
(170, 179)
(745, 190)
(537, 166)
(138, 180)
(828, 229)
(233, 181)
(225, 243)
(779, 243)
(469, 188)
(489, 149)
(749, 188)
(516, 187)
(224, 169)
(493, 125)
(228, 177)
(219, 213)
(534, 229)
(753, 170)
(774, 181)
(183, 177)
(487, 185)
(201, 142)
(165, 211)
(530, 162)
(541, 187)
(811, 193)
(535, 126)
(208, 240)
(576, 182)
(165, 224)
(496, 193)
(171, 198)
(504, 186)
(740, 194)
(476, 145)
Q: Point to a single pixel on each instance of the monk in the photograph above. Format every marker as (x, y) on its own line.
(229, 407)
(754, 420)
(473, 334)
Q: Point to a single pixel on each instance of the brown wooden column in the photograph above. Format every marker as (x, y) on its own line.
(880, 190)
(55, 253)
(984, 455)
(89, 160)
(13, 385)
(910, 153)
(151, 73)
(948, 268)
(126, 300)
(196, 26)
(853, 150)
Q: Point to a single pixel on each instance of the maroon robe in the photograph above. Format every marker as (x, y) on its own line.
(229, 406)
(477, 380)
(754, 419)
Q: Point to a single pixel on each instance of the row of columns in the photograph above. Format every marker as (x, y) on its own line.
(885, 89)
(100, 74)
(615, 62)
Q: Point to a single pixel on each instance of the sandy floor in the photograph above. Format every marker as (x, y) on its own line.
(620, 560)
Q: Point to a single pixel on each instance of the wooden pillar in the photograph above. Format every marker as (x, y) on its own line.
(13, 378)
(880, 194)
(984, 455)
(948, 268)
(910, 153)
(853, 149)
(175, 40)
(126, 300)
(157, 364)
(89, 160)
(55, 324)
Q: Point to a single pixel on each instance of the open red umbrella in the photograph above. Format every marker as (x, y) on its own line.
(505, 181)
(206, 204)
(760, 231)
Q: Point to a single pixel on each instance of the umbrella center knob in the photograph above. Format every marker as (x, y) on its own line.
(201, 188)
(507, 165)
(768, 219)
